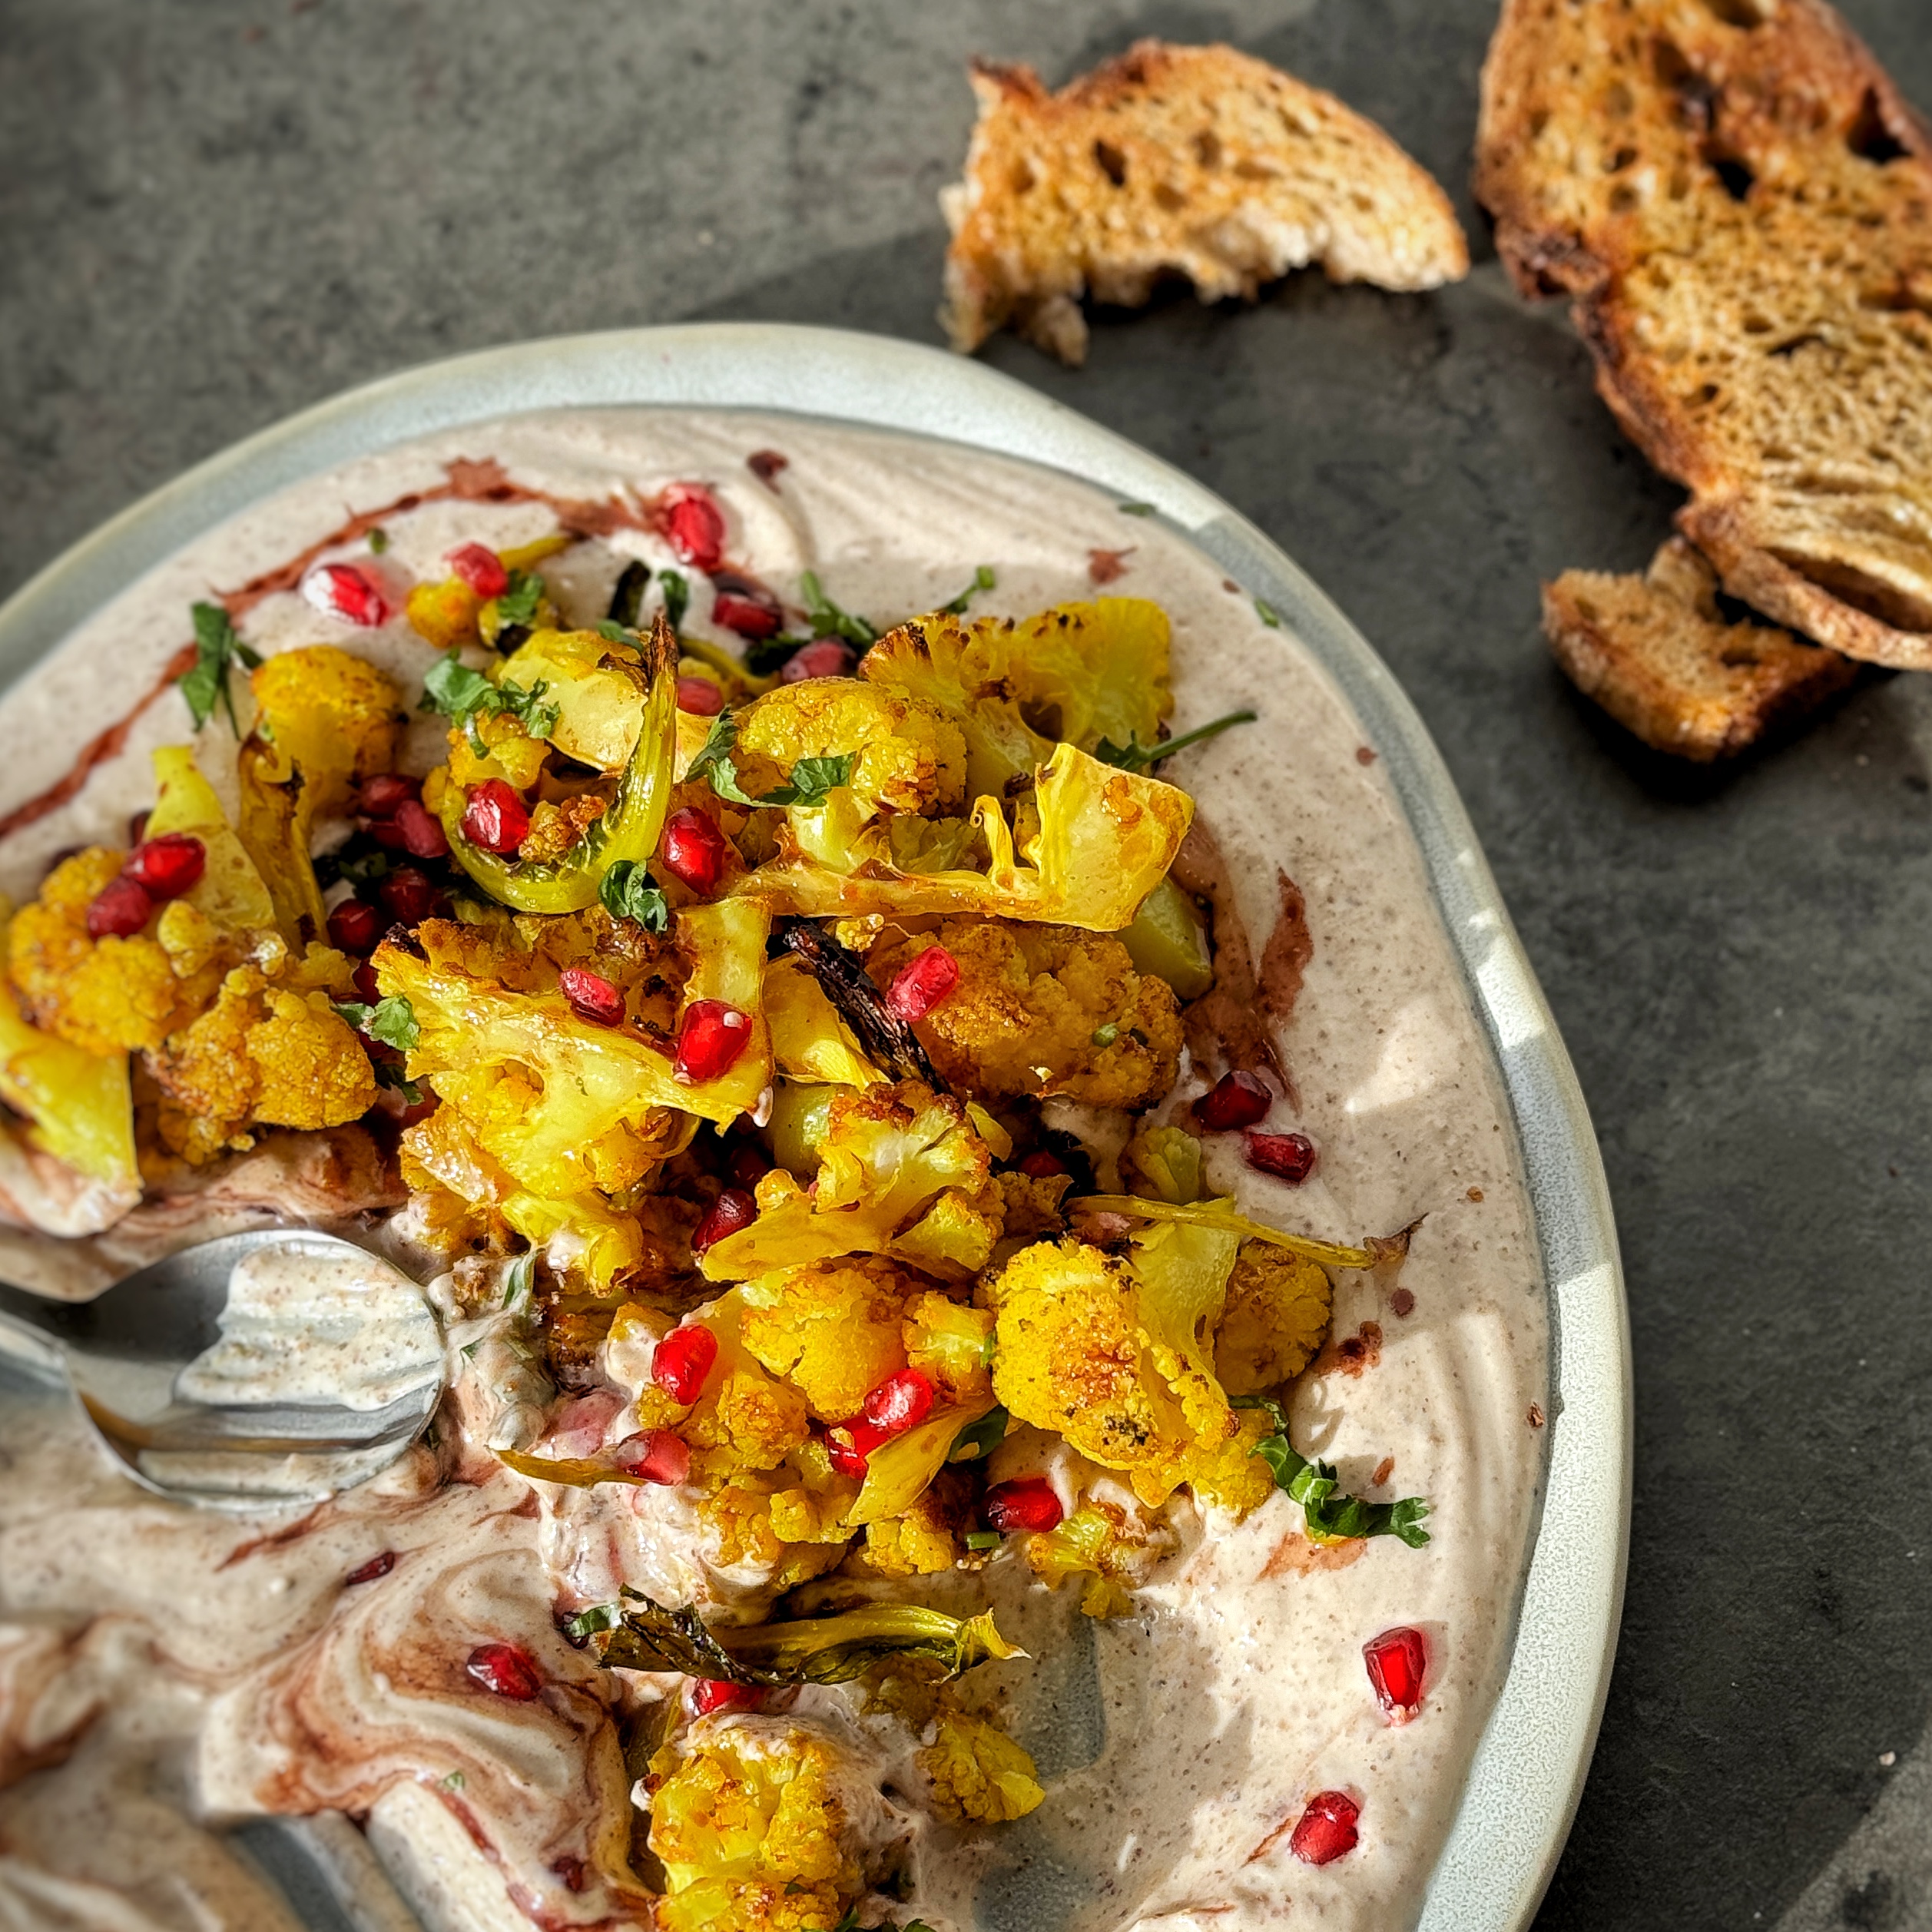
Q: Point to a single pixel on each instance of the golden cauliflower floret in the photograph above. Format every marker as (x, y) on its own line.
(923, 1538)
(333, 697)
(109, 996)
(951, 1345)
(907, 755)
(1044, 1010)
(1101, 1541)
(1274, 1320)
(978, 1771)
(1233, 1477)
(1032, 1203)
(752, 1828)
(752, 1529)
(831, 1328)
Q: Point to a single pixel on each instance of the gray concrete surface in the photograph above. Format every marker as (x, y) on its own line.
(214, 211)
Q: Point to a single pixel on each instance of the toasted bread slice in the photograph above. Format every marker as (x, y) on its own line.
(1658, 655)
(1741, 204)
(1199, 161)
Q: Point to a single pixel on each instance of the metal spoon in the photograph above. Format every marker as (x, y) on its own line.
(216, 1442)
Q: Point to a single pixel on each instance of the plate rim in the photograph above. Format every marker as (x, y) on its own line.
(1525, 1779)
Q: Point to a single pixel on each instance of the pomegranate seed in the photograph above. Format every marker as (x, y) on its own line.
(1042, 1164)
(1327, 1828)
(421, 836)
(709, 1694)
(1397, 1662)
(384, 794)
(480, 568)
(137, 828)
(167, 866)
(408, 896)
(694, 524)
(921, 984)
(495, 816)
(376, 1566)
(342, 590)
(120, 910)
(569, 1872)
(746, 1167)
(656, 1455)
(899, 1402)
(700, 696)
(748, 608)
(850, 1444)
(681, 1362)
(355, 926)
(592, 996)
(1237, 1100)
(1029, 1504)
(694, 849)
(504, 1669)
(822, 657)
(710, 1036)
(732, 1210)
(367, 989)
(1289, 1156)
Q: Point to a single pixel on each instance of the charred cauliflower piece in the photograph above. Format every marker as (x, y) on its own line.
(1044, 1010)
(906, 755)
(759, 1823)
(832, 1329)
(978, 1772)
(1275, 1320)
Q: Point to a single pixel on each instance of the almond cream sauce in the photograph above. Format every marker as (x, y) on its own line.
(162, 1671)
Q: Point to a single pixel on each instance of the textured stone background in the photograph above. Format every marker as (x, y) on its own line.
(213, 212)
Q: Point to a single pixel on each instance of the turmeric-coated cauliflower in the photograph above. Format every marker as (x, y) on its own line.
(906, 755)
(1108, 1545)
(1044, 1010)
(1275, 1317)
(760, 1825)
(924, 1537)
(832, 1328)
(978, 1772)
(951, 1345)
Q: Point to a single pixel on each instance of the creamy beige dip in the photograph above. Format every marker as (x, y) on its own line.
(168, 1670)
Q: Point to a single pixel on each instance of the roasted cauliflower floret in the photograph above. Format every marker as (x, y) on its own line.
(109, 996)
(831, 1328)
(1108, 1545)
(1273, 1321)
(1044, 1010)
(923, 1538)
(905, 754)
(951, 1345)
(978, 1772)
(754, 1824)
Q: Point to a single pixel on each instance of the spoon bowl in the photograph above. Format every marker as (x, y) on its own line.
(273, 1366)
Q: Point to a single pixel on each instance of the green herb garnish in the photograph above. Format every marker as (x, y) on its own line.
(812, 779)
(392, 1021)
(1134, 756)
(1135, 509)
(464, 695)
(378, 540)
(676, 597)
(1267, 614)
(828, 620)
(519, 604)
(387, 1075)
(764, 657)
(216, 647)
(626, 892)
(518, 1277)
(980, 1438)
(1330, 1517)
(1105, 1035)
(983, 1539)
(983, 579)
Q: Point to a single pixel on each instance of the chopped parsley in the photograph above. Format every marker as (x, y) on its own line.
(765, 656)
(979, 1439)
(378, 540)
(829, 620)
(519, 1277)
(983, 579)
(1267, 614)
(1134, 756)
(676, 597)
(1135, 509)
(518, 604)
(216, 649)
(626, 892)
(1105, 1035)
(465, 695)
(1330, 1517)
(812, 779)
(391, 1021)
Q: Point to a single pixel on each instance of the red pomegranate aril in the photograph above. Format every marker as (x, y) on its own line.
(480, 568)
(1027, 1504)
(421, 836)
(379, 1566)
(922, 984)
(592, 996)
(681, 1361)
(1397, 1662)
(1288, 1156)
(167, 866)
(384, 795)
(657, 1455)
(746, 1167)
(710, 1036)
(495, 816)
(120, 910)
(735, 1208)
(694, 524)
(1039, 1165)
(408, 896)
(136, 827)
(713, 1694)
(1237, 1100)
(693, 849)
(900, 1402)
(749, 616)
(850, 1444)
(342, 590)
(569, 1872)
(355, 926)
(1326, 1829)
(822, 657)
(700, 696)
(503, 1669)
(367, 991)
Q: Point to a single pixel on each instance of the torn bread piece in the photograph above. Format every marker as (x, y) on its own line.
(1659, 656)
(1199, 161)
(1740, 202)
